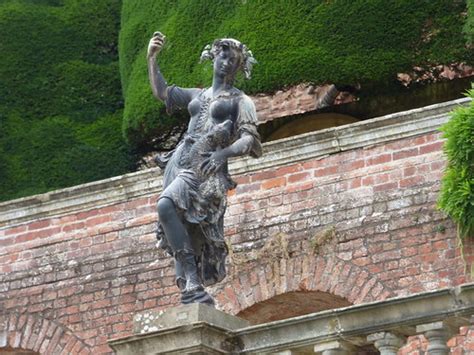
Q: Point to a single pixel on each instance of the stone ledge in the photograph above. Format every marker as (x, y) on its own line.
(186, 329)
(277, 153)
(352, 325)
(355, 323)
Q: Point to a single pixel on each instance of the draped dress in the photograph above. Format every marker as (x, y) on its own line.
(202, 214)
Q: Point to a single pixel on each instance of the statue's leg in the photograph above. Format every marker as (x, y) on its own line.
(179, 240)
(180, 276)
(177, 236)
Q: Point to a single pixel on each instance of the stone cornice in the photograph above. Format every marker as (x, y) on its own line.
(355, 325)
(277, 153)
(400, 315)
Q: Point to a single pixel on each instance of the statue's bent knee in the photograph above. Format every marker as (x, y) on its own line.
(165, 209)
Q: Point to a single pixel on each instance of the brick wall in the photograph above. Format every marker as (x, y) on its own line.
(360, 224)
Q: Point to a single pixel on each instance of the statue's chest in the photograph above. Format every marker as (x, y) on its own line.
(222, 109)
(207, 112)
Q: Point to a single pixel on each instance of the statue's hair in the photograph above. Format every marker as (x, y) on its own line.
(247, 59)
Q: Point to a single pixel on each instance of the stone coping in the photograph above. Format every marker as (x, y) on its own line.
(356, 325)
(400, 315)
(276, 153)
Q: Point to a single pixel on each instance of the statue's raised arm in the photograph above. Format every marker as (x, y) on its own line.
(158, 84)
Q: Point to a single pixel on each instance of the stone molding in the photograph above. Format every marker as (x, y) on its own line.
(401, 314)
(277, 153)
(337, 328)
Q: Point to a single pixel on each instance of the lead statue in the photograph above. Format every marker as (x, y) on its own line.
(191, 207)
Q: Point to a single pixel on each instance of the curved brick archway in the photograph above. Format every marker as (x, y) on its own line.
(291, 304)
(303, 273)
(31, 334)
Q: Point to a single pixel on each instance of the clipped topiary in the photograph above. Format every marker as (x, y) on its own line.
(341, 42)
(61, 104)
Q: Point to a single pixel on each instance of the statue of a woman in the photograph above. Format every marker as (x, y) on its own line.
(191, 207)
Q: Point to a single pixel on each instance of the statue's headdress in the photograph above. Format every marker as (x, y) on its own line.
(247, 59)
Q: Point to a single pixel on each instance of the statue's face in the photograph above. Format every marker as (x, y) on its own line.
(227, 62)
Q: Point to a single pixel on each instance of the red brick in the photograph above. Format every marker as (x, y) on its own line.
(313, 164)
(4, 242)
(242, 179)
(133, 204)
(354, 165)
(409, 171)
(437, 165)
(385, 187)
(42, 233)
(39, 225)
(298, 177)
(433, 147)
(95, 221)
(405, 153)
(264, 175)
(87, 214)
(355, 183)
(412, 181)
(288, 170)
(299, 187)
(368, 181)
(380, 159)
(273, 183)
(73, 226)
(330, 170)
(15, 230)
(248, 188)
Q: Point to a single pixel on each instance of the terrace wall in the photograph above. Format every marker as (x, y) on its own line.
(349, 211)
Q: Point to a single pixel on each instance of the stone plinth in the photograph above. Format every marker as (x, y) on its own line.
(191, 329)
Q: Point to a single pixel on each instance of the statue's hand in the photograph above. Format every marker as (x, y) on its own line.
(213, 163)
(156, 44)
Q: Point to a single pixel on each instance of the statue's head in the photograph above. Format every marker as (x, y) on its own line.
(229, 56)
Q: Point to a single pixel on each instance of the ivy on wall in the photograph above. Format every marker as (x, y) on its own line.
(457, 192)
(342, 42)
(61, 104)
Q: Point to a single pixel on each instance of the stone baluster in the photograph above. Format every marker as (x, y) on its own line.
(335, 347)
(386, 342)
(437, 334)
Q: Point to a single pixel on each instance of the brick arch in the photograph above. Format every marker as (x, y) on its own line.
(27, 332)
(302, 273)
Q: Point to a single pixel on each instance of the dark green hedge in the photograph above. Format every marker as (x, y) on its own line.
(60, 100)
(457, 193)
(342, 42)
(469, 26)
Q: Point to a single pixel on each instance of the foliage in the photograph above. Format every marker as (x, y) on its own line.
(342, 42)
(457, 193)
(60, 98)
(469, 25)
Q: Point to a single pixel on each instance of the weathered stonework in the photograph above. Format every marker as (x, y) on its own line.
(298, 99)
(348, 211)
(347, 330)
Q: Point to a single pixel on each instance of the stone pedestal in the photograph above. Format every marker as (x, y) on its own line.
(186, 329)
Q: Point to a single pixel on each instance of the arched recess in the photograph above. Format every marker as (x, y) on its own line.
(28, 334)
(324, 276)
(291, 304)
(310, 123)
